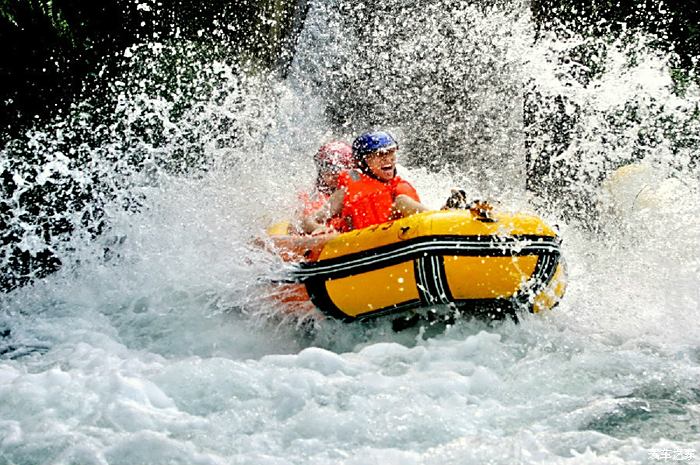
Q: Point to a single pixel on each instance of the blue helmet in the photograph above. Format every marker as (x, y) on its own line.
(372, 142)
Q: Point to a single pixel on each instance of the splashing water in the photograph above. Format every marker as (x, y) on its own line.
(153, 341)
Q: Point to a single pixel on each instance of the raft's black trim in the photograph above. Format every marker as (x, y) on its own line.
(427, 255)
(318, 293)
(471, 246)
(316, 288)
(431, 280)
(422, 287)
(544, 271)
(542, 275)
(446, 293)
(491, 309)
(400, 307)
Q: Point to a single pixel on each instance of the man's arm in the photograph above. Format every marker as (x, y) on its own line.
(406, 206)
(315, 222)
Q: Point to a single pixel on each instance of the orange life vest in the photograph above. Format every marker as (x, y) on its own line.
(369, 201)
(311, 202)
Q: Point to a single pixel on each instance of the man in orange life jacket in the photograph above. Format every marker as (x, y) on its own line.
(331, 159)
(373, 193)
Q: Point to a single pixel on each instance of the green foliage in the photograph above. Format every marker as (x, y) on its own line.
(672, 24)
(11, 11)
(5, 12)
(50, 47)
(55, 17)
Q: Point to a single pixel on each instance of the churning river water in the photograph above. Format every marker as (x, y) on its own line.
(154, 342)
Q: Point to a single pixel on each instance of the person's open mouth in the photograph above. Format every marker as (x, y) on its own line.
(388, 169)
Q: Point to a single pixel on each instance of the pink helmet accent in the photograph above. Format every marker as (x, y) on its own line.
(335, 156)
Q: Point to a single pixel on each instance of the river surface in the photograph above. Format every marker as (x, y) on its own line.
(156, 343)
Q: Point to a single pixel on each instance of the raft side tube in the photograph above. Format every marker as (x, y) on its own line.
(446, 257)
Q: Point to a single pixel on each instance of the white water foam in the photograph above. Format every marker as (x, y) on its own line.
(159, 354)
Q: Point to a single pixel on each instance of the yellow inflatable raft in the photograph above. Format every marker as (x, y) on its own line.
(455, 257)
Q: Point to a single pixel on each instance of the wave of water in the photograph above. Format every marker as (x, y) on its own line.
(154, 341)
